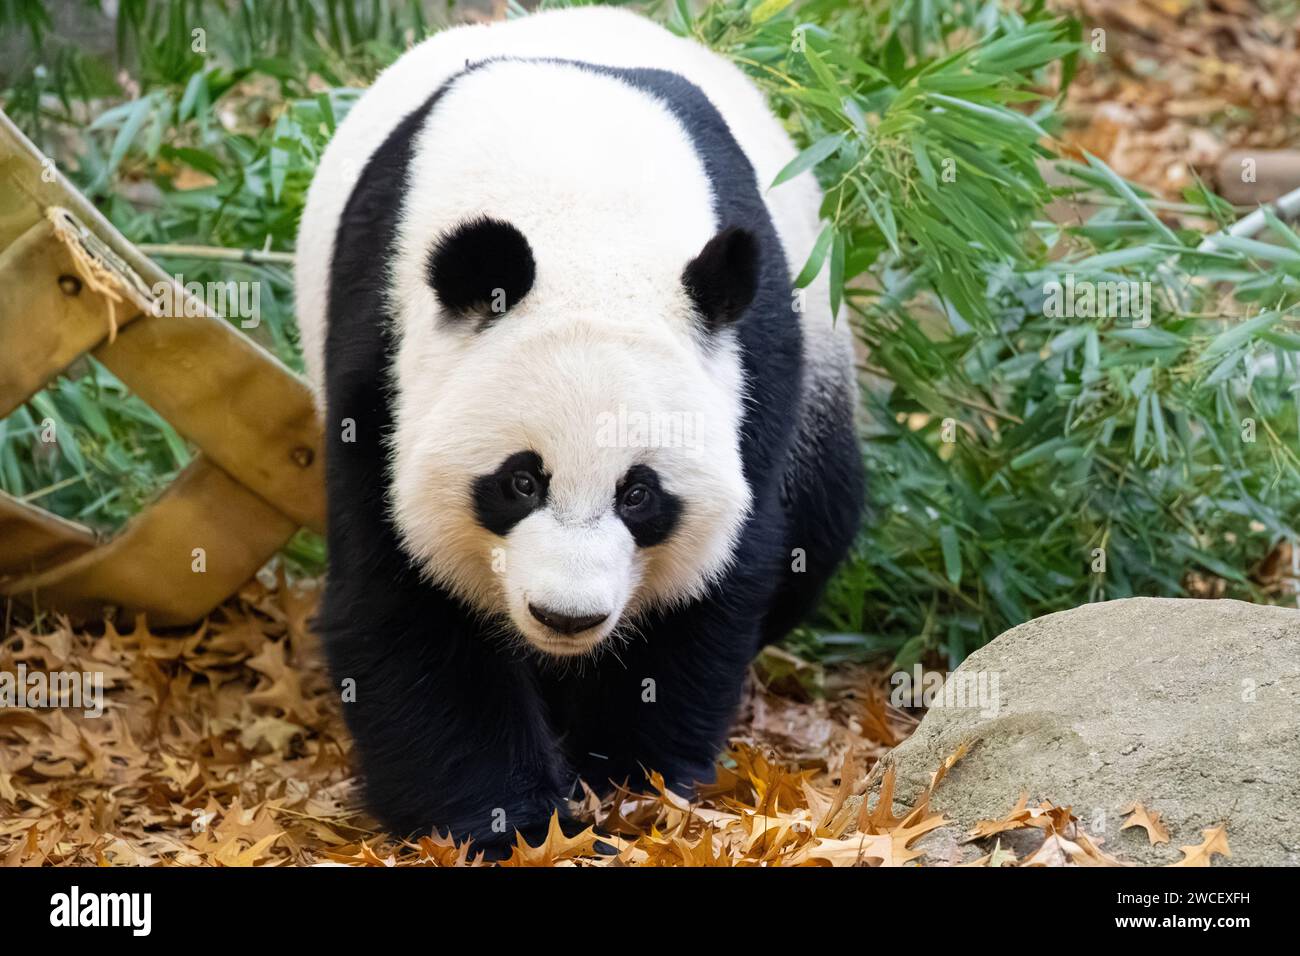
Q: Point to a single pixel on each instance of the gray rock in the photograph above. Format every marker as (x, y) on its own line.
(1189, 707)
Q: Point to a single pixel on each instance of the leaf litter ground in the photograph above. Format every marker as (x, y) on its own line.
(224, 745)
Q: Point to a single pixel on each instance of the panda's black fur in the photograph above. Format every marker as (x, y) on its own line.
(455, 733)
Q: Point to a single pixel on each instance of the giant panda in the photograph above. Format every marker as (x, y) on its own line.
(587, 449)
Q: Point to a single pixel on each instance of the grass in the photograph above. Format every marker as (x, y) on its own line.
(1022, 459)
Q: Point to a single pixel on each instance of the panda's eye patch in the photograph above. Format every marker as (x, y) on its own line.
(649, 511)
(510, 494)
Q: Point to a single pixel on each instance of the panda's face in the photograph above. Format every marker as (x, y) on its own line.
(562, 471)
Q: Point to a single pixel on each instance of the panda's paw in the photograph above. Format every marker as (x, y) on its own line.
(572, 827)
(492, 851)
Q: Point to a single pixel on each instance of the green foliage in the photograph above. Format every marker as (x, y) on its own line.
(881, 124)
(1009, 439)
(1006, 438)
(86, 449)
(213, 149)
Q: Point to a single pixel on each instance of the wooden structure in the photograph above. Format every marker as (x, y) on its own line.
(70, 284)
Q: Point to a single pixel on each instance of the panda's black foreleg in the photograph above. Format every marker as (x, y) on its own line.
(450, 732)
(663, 704)
(667, 692)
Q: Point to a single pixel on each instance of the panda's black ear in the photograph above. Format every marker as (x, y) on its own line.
(723, 279)
(482, 267)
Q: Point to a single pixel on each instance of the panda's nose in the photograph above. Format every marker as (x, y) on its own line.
(565, 623)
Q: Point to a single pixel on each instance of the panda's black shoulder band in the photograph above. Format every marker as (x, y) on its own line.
(482, 268)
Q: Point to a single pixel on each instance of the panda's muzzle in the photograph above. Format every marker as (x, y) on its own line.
(565, 623)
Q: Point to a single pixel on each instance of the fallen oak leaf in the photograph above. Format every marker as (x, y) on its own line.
(1045, 816)
(891, 848)
(231, 855)
(915, 826)
(1014, 820)
(821, 807)
(881, 819)
(873, 719)
(774, 831)
(903, 830)
(1056, 850)
(439, 850)
(284, 690)
(366, 856)
(1092, 852)
(949, 762)
(703, 852)
(555, 847)
(1140, 816)
(854, 850)
(1215, 842)
(836, 816)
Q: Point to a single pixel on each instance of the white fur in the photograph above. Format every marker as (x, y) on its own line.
(605, 185)
(604, 35)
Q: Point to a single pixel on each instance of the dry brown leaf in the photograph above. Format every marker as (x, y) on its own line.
(1012, 821)
(555, 848)
(1215, 843)
(1140, 816)
(223, 745)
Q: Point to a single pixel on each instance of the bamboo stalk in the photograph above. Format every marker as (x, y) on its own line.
(219, 253)
(1284, 207)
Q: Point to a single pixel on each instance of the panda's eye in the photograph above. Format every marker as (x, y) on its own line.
(523, 484)
(636, 498)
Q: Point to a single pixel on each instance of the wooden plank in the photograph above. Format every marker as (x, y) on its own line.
(47, 317)
(261, 474)
(35, 539)
(278, 452)
(228, 396)
(185, 553)
(30, 183)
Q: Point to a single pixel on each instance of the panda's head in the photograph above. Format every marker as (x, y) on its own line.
(567, 452)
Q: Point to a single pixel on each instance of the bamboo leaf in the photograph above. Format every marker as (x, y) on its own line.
(810, 157)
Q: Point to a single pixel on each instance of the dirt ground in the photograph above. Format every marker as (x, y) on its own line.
(1184, 89)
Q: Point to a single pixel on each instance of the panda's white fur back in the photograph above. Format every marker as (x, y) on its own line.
(598, 35)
